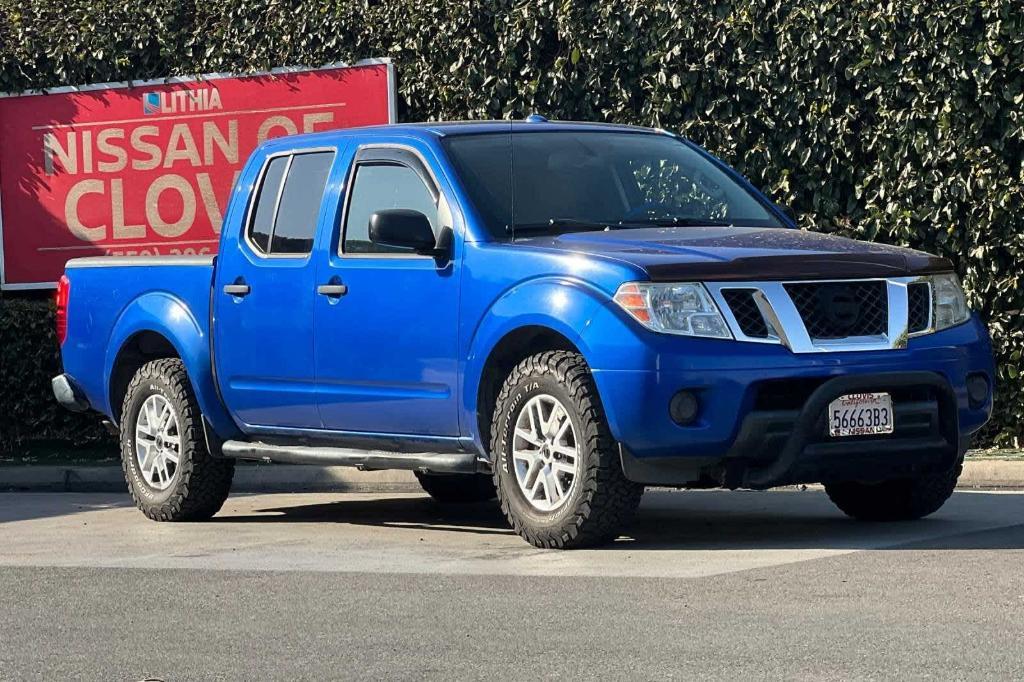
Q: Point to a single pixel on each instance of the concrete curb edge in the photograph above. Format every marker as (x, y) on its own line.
(248, 479)
(269, 478)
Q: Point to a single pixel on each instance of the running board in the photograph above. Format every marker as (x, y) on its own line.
(364, 460)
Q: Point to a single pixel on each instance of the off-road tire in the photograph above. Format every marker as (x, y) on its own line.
(603, 500)
(898, 500)
(457, 488)
(202, 482)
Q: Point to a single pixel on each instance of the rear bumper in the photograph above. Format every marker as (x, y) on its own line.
(68, 393)
(762, 411)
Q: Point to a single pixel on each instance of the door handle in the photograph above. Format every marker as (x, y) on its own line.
(332, 290)
(237, 289)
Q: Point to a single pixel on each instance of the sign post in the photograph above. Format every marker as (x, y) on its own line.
(146, 168)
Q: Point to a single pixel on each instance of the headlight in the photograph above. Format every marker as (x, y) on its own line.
(949, 307)
(685, 309)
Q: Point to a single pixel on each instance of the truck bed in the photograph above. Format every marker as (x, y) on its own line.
(114, 298)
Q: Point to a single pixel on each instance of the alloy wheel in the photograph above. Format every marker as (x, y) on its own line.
(158, 442)
(545, 453)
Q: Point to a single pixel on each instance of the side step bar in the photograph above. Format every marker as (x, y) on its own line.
(364, 460)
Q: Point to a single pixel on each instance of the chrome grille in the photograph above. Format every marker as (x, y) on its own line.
(825, 316)
(918, 306)
(837, 310)
(746, 312)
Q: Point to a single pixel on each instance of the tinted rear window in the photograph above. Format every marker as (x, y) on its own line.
(266, 202)
(284, 221)
(300, 203)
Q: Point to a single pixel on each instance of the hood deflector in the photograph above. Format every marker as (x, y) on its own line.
(811, 266)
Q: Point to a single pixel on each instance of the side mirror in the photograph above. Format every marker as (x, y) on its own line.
(404, 227)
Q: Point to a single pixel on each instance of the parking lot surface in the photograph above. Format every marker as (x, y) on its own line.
(324, 586)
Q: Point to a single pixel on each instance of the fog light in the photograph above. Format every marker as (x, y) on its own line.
(683, 408)
(977, 390)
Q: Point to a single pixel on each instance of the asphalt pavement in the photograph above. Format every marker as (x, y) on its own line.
(716, 585)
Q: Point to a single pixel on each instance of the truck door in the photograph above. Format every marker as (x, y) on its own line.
(386, 324)
(263, 295)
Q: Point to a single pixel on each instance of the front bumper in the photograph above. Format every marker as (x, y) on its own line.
(788, 446)
(762, 410)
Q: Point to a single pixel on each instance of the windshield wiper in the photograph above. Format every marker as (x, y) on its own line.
(557, 223)
(581, 225)
(679, 221)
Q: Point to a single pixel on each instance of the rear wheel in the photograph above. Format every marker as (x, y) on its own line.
(556, 467)
(170, 473)
(897, 500)
(457, 488)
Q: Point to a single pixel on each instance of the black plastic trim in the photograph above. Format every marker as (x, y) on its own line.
(214, 443)
(805, 267)
(668, 471)
(799, 443)
(68, 394)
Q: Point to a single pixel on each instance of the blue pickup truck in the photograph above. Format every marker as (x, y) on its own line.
(553, 314)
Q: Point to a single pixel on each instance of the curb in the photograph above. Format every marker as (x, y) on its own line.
(278, 478)
(992, 473)
(256, 478)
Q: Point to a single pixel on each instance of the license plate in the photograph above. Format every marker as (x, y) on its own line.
(860, 414)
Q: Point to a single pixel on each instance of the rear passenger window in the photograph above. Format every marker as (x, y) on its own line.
(262, 223)
(300, 203)
(286, 219)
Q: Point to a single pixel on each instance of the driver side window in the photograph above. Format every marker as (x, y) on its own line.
(379, 186)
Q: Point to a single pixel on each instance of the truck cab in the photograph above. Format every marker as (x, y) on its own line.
(553, 314)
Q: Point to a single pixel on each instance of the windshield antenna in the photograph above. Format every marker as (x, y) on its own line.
(512, 182)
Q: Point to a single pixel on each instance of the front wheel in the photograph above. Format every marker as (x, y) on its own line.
(897, 500)
(170, 473)
(556, 467)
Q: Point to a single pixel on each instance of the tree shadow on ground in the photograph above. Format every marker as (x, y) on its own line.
(717, 520)
(387, 511)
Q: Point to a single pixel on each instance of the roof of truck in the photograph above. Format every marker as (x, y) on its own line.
(437, 129)
(534, 122)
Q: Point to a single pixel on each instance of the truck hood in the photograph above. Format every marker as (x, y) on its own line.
(745, 253)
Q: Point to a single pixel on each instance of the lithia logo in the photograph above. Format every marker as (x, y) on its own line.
(181, 101)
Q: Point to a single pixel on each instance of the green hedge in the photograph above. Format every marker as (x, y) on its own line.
(28, 360)
(899, 122)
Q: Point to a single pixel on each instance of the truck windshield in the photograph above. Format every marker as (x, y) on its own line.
(523, 183)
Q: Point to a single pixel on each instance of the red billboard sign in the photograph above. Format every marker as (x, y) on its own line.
(146, 168)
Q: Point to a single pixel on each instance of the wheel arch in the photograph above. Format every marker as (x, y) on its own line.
(513, 348)
(137, 350)
(160, 325)
(537, 315)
